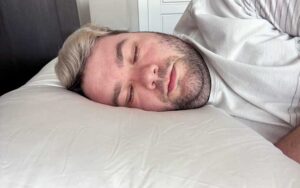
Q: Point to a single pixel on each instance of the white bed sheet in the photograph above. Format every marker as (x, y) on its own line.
(53, 138)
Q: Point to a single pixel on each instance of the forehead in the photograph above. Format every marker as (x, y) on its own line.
(97, 68)
(101, 71)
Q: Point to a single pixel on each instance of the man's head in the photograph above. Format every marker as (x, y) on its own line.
(151, 71)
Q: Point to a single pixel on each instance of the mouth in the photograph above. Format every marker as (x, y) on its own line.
(172, 80)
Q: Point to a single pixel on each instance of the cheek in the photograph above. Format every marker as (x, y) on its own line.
(154, 53)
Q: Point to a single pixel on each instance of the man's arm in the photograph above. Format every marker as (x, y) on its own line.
(283, 14)
(290, 144)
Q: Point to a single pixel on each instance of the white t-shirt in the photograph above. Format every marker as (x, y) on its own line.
(252, 49)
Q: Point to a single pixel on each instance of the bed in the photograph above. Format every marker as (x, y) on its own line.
(53, 138)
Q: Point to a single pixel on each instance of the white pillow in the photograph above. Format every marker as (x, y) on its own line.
(53, 138)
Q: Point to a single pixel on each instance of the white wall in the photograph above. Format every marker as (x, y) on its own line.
(116, 14)
(83, 11)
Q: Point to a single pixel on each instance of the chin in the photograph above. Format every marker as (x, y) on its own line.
(190, 98)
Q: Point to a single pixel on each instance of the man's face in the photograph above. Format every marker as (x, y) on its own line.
(140, 70)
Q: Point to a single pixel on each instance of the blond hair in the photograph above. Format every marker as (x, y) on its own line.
(74, 53)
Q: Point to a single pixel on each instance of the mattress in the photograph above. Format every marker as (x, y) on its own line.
(53, 138)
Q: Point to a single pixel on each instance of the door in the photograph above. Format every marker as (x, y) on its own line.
(160, 15)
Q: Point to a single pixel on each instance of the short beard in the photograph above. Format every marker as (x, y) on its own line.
(198, 83)
(195, 92)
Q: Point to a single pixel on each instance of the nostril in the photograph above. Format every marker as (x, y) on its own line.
(155, 69)
(153, 84)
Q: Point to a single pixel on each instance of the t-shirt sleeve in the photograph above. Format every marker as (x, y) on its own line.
(283, 14)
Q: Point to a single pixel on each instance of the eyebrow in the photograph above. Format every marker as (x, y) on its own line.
(119, 53)
(117, 90)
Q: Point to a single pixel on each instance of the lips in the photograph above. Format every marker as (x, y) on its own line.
(172, 80)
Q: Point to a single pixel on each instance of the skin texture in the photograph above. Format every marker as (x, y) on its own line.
(144, 71)
(290, 144)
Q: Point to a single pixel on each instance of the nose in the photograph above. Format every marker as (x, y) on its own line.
(149, 76)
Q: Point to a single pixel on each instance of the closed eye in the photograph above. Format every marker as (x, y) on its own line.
(135, 53)
(130, 95)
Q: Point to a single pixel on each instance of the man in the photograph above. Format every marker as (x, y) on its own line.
(241, 56)
(145, 70)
